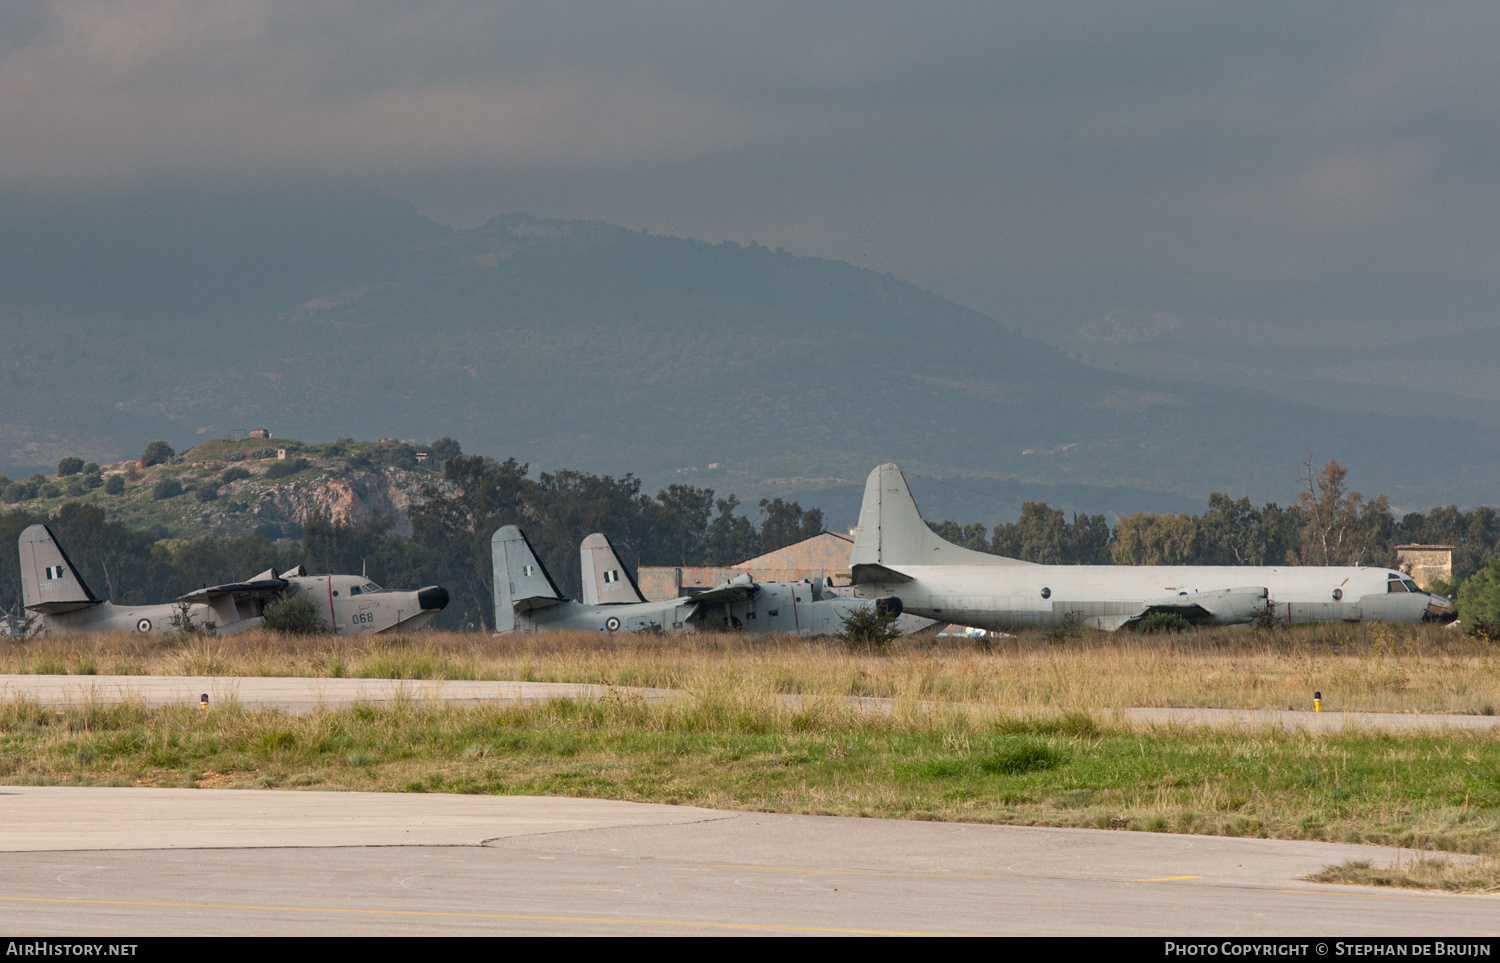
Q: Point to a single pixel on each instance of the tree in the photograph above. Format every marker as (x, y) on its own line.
(975, 537)
(1037, 536)
(786, 523)
(69, 466)
(680, 524)
(156, 453)
(1144, 539)
(444, 449)
(731, 537)
(114, 485)
(1342, 528)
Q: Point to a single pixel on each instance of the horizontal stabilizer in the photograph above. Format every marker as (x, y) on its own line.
(866, 574)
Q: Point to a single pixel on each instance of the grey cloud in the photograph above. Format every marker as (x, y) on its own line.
(1049, 163)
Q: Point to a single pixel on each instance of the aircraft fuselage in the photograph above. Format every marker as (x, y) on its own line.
(1105, 597)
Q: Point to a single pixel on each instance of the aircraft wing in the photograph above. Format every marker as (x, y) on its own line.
(1221, 606)
(871, 572)
(737, 590)
(258, 589)
(534, 602)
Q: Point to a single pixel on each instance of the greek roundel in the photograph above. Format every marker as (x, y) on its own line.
(612, 623)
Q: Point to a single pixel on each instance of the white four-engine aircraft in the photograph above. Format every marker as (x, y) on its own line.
(907, 567)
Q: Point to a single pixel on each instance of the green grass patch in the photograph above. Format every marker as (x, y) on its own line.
(1419, 790)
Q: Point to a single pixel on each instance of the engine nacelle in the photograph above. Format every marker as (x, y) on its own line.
(890, 605)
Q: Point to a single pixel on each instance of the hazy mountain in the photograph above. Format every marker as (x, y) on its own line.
(318, 314)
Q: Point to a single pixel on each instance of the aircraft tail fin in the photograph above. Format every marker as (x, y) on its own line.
(891, 532)
(522, 582)
(50, 583)
(606, 580)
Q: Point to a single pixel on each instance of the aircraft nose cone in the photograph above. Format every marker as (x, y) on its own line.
(433, 599)
(1440, 610)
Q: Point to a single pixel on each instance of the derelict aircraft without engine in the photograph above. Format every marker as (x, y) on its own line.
(527, 600)
(55, 594)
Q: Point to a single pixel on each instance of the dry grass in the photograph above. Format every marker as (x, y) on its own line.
(1480, 875)
(1374, 668)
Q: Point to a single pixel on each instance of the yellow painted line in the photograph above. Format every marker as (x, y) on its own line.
(854, 872)
(1464, 897)
(1165, 879)
(480, 916)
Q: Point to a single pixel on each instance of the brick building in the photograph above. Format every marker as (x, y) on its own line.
(1425, 563)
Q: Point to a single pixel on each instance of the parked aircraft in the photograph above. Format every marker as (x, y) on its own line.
(352, 604)
(56, 596)
(907, 567)
(527, 600)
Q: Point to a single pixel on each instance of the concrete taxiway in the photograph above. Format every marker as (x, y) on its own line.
(83, 861)
(304, 694)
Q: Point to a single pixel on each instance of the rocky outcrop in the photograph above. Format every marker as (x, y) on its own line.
(349, 500)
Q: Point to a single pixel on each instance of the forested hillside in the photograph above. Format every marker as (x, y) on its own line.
(453, 512)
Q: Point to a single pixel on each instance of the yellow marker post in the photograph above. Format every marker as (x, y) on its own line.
(1317, 701)
(203, 702)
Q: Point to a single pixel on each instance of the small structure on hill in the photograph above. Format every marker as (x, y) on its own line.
(260, 433)
(1424, 563)
(825, 555)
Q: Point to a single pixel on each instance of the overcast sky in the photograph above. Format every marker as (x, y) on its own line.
(1047, 163)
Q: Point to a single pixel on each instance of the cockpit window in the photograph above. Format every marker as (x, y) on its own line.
(372, 587)
(355, 590)
(1410, 585)
(1395, 585)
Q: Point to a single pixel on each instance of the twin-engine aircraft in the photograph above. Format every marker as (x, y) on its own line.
(527, 600)
(54, 592)
(907, 567)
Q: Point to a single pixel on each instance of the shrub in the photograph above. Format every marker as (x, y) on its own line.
(166, 488)
(1486, 629)
(234, 474)
(235, 456)
(1156, 622)
(48, 491)
(114, 485)
(92, 480)
(74, 487)
(69, 466)
(1479, 596)
(290, 466)
(207, 493)
(91, 469)
(157, 452)
(295, 615)
(867, 628)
